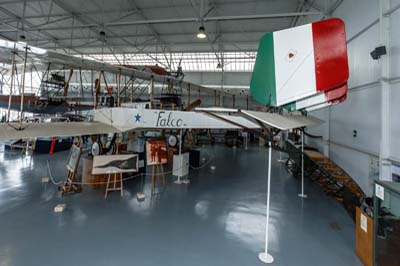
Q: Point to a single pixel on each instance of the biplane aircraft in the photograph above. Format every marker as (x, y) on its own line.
(55, 94)
(300, 68)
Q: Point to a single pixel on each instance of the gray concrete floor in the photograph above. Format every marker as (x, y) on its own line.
(219, 219)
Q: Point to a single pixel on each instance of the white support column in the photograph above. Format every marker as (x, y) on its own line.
(385, 164)
(302, 195)
(327, 132)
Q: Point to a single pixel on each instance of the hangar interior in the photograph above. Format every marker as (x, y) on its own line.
(221, 178)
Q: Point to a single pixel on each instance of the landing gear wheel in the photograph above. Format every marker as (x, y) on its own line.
(96, 149)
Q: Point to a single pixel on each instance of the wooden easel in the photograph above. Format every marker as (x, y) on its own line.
(69, 186)
(114, 186)
(157, 178)
(114, 183)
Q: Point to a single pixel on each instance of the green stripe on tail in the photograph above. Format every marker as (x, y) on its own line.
(263, 85)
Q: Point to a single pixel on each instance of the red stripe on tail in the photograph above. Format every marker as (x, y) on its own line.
(330, 54)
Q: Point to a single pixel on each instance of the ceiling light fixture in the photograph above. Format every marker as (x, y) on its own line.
(201, 34)
(21, 39)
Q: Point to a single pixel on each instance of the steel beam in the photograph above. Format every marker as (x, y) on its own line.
(85, 22)
(127, 45)
(177, 20)
(43, 33)
(299, 9)
(334, 7)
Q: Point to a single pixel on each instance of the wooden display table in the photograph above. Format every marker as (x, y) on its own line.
(331, 177)
(332, 174)
(93, 181)
(334, 180)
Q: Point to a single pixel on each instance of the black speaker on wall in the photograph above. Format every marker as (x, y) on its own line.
(378, 52)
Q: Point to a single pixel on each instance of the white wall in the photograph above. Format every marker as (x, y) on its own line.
(395, 91)
(362, 109)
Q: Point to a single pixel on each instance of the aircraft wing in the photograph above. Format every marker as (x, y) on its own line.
(116, 120)
(60, 129)
(282, 122)
(217, 109)
(126, 119)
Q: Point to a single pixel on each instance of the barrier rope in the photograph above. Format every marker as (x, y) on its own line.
(58, 183)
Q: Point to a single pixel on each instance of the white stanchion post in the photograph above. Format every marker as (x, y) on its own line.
(179, 181)
(281, 160)
(180, 142)
(302, 195)
(246, 138)
(186, 180)
(265, 256)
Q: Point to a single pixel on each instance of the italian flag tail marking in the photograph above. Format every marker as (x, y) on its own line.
(300, 62)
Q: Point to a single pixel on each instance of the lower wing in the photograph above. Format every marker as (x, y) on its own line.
(34, 130)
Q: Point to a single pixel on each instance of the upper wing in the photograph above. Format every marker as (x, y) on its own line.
(34, 130)
(44, 57)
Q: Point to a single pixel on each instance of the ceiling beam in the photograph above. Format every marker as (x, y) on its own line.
(334, 7)
(305, 6)
(88, 21)
(94, 46)
(178, 20)
(167, 5)
(81, 14)
(203, 14)
(140, 13)
(21, 1)
(299, 9)
(171, 35)
(27, 23)
(165, 47)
